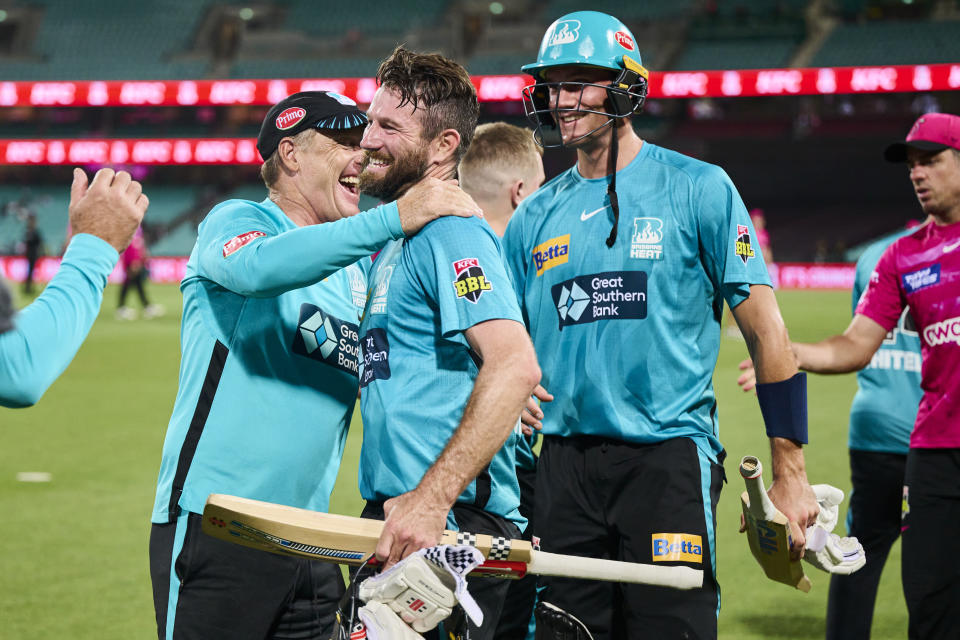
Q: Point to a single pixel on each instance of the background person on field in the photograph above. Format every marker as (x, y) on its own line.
(919, 274)
(135, 274)
(881, 419)
(32, 250)
(268, 379)
(38, 343)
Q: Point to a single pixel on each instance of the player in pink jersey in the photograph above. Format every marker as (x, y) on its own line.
(134, 261)
(922, 271)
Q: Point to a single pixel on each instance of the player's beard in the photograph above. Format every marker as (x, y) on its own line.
(401, 174)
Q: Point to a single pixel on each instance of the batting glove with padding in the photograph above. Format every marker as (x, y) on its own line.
(382, 623)
(826, 550)
(424, 587)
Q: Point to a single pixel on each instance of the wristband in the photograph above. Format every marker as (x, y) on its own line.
(784, 407)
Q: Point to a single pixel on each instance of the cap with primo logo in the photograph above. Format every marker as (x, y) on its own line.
(931, 132)
(304, 110)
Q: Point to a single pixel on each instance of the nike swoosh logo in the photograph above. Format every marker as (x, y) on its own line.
(947, 248)
(586, 216)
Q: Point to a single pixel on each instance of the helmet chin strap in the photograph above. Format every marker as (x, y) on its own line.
(612, 185)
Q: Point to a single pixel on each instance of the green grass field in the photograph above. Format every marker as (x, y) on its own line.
(73, 551)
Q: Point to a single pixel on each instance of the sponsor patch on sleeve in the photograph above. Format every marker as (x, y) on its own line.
(677, 547)
(471, 281)
(743, 249)
(234, 245)
(921, 278)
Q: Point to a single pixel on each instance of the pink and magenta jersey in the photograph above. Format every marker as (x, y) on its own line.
(137, 251)
(922, 270)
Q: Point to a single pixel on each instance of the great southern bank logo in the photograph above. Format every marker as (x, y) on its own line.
(323, 337)
(611, 295)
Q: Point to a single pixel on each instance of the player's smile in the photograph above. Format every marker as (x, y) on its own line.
(376, 161)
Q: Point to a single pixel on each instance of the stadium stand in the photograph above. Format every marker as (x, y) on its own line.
(178, 242)
(895, 42)
(735, 54)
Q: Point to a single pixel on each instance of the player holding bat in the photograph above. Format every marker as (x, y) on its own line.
(447, 363)
(622, 265)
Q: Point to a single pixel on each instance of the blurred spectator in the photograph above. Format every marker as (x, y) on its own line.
(226, 39)
(32, 250)
(763, 236)
(134, 261)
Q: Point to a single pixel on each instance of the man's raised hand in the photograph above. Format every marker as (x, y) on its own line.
(111, 207)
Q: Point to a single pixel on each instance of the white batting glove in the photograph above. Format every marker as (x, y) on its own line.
(423, 588)
(382, 623)
(829, 499)
(833, 554)
(826, 550)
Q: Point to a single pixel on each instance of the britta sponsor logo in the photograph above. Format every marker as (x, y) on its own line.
(943, 332)
(289, 118)
(376, 356)
(553, 252)
(612, 295)
(326, 338)
(235, 244)
(921, 278)
(677, 547)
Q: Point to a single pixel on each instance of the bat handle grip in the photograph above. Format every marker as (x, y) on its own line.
(750, 467)
(760, 504)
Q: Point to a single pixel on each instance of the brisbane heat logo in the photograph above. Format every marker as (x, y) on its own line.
(564, 32)
(290, 117)
(744, 249)
(471, 281)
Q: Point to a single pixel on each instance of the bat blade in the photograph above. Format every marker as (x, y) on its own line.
(768, 530)
(352, 541)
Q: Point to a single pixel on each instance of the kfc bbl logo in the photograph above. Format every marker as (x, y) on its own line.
(743, 248)
(471, 282)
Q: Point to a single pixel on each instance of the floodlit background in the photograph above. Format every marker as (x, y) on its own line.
(794, 98)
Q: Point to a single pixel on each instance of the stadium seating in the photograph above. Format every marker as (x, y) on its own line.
(734, 54)
(895, 42)
(178, 242)
(336, 19)
(111, 39)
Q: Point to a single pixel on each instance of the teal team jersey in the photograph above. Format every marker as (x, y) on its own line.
(269, 368)
(627, 337)
(46, 335)
(417, 369)
(885, 407)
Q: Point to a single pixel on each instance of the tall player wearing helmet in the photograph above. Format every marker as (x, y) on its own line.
(622, 265)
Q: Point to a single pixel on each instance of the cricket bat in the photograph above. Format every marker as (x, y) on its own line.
(768, 530)
(352, 541)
